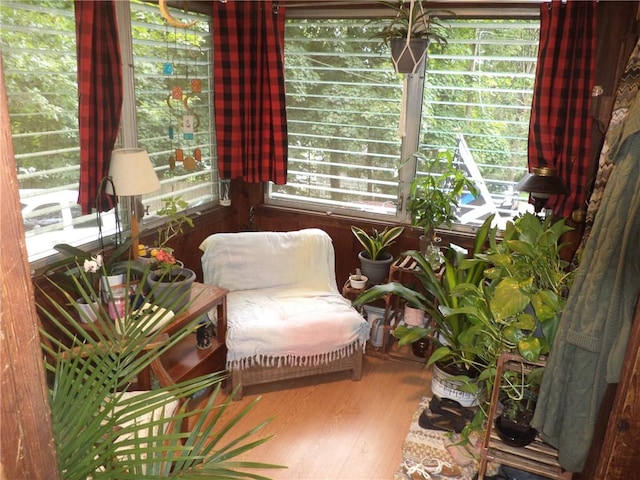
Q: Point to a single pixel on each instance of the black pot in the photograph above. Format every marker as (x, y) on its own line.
(409, 58)
(420, 348)
(513, 433)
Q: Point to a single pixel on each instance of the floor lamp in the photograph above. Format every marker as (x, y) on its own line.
(132, 174)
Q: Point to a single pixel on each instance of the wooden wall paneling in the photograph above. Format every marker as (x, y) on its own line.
(27, 448)
(619, 457)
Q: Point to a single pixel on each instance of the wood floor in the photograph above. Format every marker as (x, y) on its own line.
(331, 427)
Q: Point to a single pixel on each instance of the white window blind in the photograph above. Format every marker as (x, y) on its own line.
(344, 106)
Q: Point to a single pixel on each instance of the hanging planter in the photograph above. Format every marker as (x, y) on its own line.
(408, 32)
(409, 56)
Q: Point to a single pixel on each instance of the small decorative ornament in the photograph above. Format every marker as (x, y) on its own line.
(176, 92)
(167, 68)
(197, 154)
(170, 132)
(196, 85)
(179, 155)
(203, 336)
(172, 162)
(190, 163)
(187, 127)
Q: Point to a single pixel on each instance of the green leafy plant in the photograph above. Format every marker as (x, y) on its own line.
(416, 22)
(376, 244)
(112, 262)
(508, 298)
(455, 330)
(161, 255)
(173, 211)
(98, 429)
(530, 277)
(519, 391)
(434, 197)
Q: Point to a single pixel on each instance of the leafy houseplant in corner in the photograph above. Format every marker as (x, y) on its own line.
(409, 33)
(170, 280)
(456, 335)
(375, 259)
(104, 430)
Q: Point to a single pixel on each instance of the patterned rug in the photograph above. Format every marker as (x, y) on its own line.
(422, 443)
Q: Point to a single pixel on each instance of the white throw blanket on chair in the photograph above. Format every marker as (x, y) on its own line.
(284, 307)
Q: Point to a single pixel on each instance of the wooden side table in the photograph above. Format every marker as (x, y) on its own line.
(184, 360)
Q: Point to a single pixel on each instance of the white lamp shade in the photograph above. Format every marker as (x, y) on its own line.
(132, 172)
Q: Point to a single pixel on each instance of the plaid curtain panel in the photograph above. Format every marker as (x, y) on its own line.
(100, 91)
(560, 127)
(249, 92)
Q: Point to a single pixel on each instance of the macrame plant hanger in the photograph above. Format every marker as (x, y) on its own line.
(406, 49)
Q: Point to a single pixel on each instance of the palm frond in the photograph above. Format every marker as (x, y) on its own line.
(102, 430)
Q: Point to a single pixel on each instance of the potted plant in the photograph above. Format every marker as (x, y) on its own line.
(409, 33)
(103, 430)
(454, 331)
(507, 299)
(434, 197)
(375, 259)
(169, 278)
(518, 395)
(358, 280)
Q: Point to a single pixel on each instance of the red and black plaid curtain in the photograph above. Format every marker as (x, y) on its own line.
(249, 92)
(560, 128)
(100, 91)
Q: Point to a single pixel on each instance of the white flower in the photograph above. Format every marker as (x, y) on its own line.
(93, 265)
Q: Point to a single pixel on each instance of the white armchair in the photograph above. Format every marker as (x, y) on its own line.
(285, 315)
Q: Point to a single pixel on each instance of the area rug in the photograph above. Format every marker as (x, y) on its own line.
(422, 443)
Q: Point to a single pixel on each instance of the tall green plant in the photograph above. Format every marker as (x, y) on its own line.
(528, 271)
(95, 428)
(434, 197)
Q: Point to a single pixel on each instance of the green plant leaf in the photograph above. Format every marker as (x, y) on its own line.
(508, 299)
(525, 322)
(439, 354)
(530, 348)
(408, 335)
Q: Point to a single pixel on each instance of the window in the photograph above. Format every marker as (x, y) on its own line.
(39, 54)
(165, 57)
(344, 107)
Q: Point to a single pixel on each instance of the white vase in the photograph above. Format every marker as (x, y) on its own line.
(444, 385)
(88, 312)
(358, 283)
